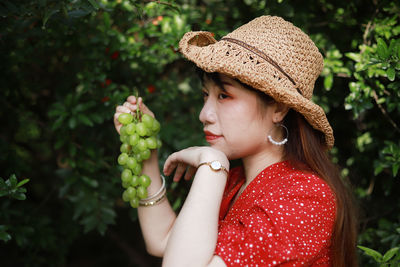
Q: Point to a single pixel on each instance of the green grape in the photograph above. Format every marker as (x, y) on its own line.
(137, 170)
(126, 185)
(122, 131)
(130, 128)
(144, 180)
(131, 163)
(135, 181)
(134, 139)
(141, 129)
(138, 157)
(147, 120)
(151, 142)
(125, 148)
(134, 202)
(141, 192)
(125, 196)
(159, 143)
(135, 149)
(124, 138)
(142, 145)
(156, 126)
(138, 138)
(126, 175)
(131, 192)
(145, 154)
(122, 158)
(125, 118)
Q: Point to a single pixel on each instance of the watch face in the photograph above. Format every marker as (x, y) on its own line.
(216, 165)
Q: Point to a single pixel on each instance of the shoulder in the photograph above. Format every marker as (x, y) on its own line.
(292, 181)
(302, 191)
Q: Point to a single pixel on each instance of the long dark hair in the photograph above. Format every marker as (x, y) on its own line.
(306, 150)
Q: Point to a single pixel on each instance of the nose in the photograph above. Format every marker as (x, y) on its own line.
(208, 112)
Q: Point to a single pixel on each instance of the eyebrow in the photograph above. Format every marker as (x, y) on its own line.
(219, 84)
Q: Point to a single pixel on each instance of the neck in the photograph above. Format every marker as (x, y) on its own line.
(255, 163)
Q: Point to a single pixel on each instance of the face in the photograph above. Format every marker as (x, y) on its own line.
(233, 122)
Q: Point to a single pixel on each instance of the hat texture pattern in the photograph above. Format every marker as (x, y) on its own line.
(289, 78)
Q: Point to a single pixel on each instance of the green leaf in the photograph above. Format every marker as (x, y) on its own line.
(2, 183)
(91, 182)
(398, 48)
(94, 4)
(5, 236)
(328, 81)
(21, 183)
(391, 74)
(47, 15)
(13, 181)
(373, 253)
(395, 169)
(85, 120)
(72, 123)
(390, 253)
(378, 169)
(354, 56)
(382, 49)
(19, 196)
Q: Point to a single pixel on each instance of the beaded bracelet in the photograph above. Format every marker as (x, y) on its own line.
(155, 198)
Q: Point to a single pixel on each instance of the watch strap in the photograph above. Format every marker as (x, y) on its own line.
(214, 165)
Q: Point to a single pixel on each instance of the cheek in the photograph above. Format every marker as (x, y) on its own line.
(245, 125)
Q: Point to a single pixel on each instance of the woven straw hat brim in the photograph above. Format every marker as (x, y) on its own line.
(208, 54)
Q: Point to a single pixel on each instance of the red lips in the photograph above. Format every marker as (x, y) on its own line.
(211, 136)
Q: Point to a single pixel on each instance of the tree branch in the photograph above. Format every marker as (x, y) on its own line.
(384, 112)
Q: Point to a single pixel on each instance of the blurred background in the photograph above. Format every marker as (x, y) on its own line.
(66, 64)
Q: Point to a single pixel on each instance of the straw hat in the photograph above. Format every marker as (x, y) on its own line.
(269, 54)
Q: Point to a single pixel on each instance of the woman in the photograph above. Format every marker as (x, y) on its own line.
(286, 205)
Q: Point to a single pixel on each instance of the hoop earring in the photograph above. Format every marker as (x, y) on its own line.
(284, 141)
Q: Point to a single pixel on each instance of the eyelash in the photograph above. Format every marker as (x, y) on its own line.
(221, 96)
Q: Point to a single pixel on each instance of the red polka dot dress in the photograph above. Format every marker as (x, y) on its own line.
(284, 217)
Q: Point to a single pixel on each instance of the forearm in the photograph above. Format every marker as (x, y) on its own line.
(155, 221)
(194, 234)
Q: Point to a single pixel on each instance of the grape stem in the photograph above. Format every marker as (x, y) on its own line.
(138, 111)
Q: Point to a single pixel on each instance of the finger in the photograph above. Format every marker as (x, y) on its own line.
(131, 99)
(130, 106)
(117, 124)
(144, 108)
(122, 109)
(118, 128)
(179, 172)
(170, 164)
(189, 173)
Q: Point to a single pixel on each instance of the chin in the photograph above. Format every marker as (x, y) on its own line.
(228, 152)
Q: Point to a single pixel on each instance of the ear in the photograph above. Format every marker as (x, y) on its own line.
(279, 112)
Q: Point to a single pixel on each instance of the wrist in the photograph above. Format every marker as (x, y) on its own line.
(215, 156)
(215, 166)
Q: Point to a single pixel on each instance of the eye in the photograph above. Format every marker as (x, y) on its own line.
(204, 93)
(222, 96)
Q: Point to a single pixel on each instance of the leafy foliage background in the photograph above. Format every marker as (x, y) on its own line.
(66, 64)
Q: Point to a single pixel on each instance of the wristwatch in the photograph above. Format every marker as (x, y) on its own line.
(214, 165)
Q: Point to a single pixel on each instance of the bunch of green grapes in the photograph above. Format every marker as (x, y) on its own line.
(138, 135)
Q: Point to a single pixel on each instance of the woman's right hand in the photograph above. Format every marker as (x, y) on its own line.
(129, 106)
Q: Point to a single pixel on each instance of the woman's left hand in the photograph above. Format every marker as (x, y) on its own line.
(189, 159)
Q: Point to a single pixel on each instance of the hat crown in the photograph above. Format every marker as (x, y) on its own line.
(287, 45)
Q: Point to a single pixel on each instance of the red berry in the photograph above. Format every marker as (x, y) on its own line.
(115, 55)
(151, 88)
